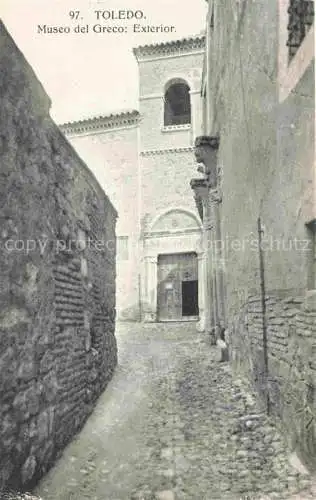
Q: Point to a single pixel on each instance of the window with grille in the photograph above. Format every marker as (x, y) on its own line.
(301, 18)
(122, 248)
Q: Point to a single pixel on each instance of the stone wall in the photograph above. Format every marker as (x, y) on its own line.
(57, 275)
(266, 155)
(266, 150)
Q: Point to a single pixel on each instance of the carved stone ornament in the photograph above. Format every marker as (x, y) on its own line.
(215, 195)
(205, 150)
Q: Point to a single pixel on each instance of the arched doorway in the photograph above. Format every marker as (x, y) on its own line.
(172, 273)
(177, 281)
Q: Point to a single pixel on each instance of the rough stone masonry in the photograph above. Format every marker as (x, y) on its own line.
(57, 280)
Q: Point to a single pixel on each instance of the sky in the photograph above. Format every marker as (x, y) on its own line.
(92, 74)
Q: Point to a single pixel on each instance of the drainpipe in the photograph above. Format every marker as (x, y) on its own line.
(212, 319)
(264, 315)
(139, 298)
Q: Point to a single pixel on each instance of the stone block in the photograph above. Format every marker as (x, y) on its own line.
(28, 469)
(165, 495)
(27, 369)
(309, 303)
(50, 387)
(27, 403)
(8, 428)
(223, 348)
(47, 362)
(84, 268)
(45, 422)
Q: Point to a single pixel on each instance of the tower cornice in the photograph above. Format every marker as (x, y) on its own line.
(174, 47)
(116, 120)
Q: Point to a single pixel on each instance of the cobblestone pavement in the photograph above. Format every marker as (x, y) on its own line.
(174, 425)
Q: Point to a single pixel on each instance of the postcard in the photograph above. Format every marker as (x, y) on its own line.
(157, 250)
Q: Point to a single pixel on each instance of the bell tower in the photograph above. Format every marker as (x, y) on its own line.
(170, 107)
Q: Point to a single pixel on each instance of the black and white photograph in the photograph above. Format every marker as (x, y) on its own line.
(157, 250)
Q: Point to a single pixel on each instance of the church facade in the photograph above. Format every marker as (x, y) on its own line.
(143, 160)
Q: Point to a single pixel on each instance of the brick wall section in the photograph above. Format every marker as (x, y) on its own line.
(57, 344)
(291, 329)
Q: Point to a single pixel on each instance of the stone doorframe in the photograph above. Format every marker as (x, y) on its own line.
(186, 240)
(150, 269)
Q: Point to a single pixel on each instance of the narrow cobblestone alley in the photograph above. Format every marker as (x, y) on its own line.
(173, 424)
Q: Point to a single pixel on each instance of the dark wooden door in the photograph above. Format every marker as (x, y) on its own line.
(173, 270)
